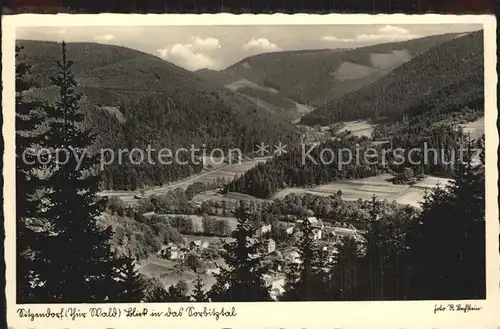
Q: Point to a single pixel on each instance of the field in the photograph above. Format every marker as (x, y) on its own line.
(207, 238)
(234, 86)
(358, 128)
(212, 162)
(165, 271)
(226, 172)
(475, 128)
(367, 187)
(303, 109)
(230, 197)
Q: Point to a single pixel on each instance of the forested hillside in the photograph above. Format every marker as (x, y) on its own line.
(135, 99)
(305, 167)
(314, 77)
(448, 77)
(438, 131)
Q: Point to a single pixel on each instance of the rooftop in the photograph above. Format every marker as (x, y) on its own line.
(312, 220)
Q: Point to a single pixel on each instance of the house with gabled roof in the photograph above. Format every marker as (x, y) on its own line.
(317, 227)
(271, 245)
(212, 269)
(199, 244)
(264, 229)
(172, 251)
(292, 256)
(215, 267)
(339, 232)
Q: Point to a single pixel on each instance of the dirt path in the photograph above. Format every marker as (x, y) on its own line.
(192, 178)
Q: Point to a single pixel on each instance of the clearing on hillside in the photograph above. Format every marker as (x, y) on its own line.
(475, 128)
(366, 188)
(358, 128)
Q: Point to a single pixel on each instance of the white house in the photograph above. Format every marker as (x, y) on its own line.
(172, 252)
(264, 229)
(313, 220)
(148, 215)
(339, 232)
(215, 267)
(212, 270)
(198, 244)
(318, 233)
(271, 246)
(277, 288)
(293, 257)
(317, 226)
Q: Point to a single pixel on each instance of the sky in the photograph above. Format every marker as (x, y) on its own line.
(217, 47)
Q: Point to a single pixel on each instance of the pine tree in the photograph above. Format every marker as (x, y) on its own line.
(344, 273)
(155, 292)
(243, 280)
(81, 262)
(131, 284)
(374, 260)
(177, 293)
(29, 134)
(448, 244)
(307, 282)
(199, 294)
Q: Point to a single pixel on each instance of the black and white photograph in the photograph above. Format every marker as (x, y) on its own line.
(251, 163)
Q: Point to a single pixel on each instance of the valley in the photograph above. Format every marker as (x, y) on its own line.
(192, 222)
(171, 271)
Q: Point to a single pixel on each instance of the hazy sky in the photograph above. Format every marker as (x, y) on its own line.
(216, 47)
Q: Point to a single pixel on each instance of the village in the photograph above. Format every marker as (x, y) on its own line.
(202, 256)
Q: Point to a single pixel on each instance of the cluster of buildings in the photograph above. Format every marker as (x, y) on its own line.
(291, 257)
(279, 259)
(326, 231)
(214, 267)
(178, 251)
(264, 233)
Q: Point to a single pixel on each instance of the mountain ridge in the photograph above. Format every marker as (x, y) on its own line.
(447, 77)
(307, 76)
(154, 103)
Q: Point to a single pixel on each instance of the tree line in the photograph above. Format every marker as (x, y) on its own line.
(296, 169)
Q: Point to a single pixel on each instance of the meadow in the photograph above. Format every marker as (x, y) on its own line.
(475, 128)
(366, 188)
(358, 128)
